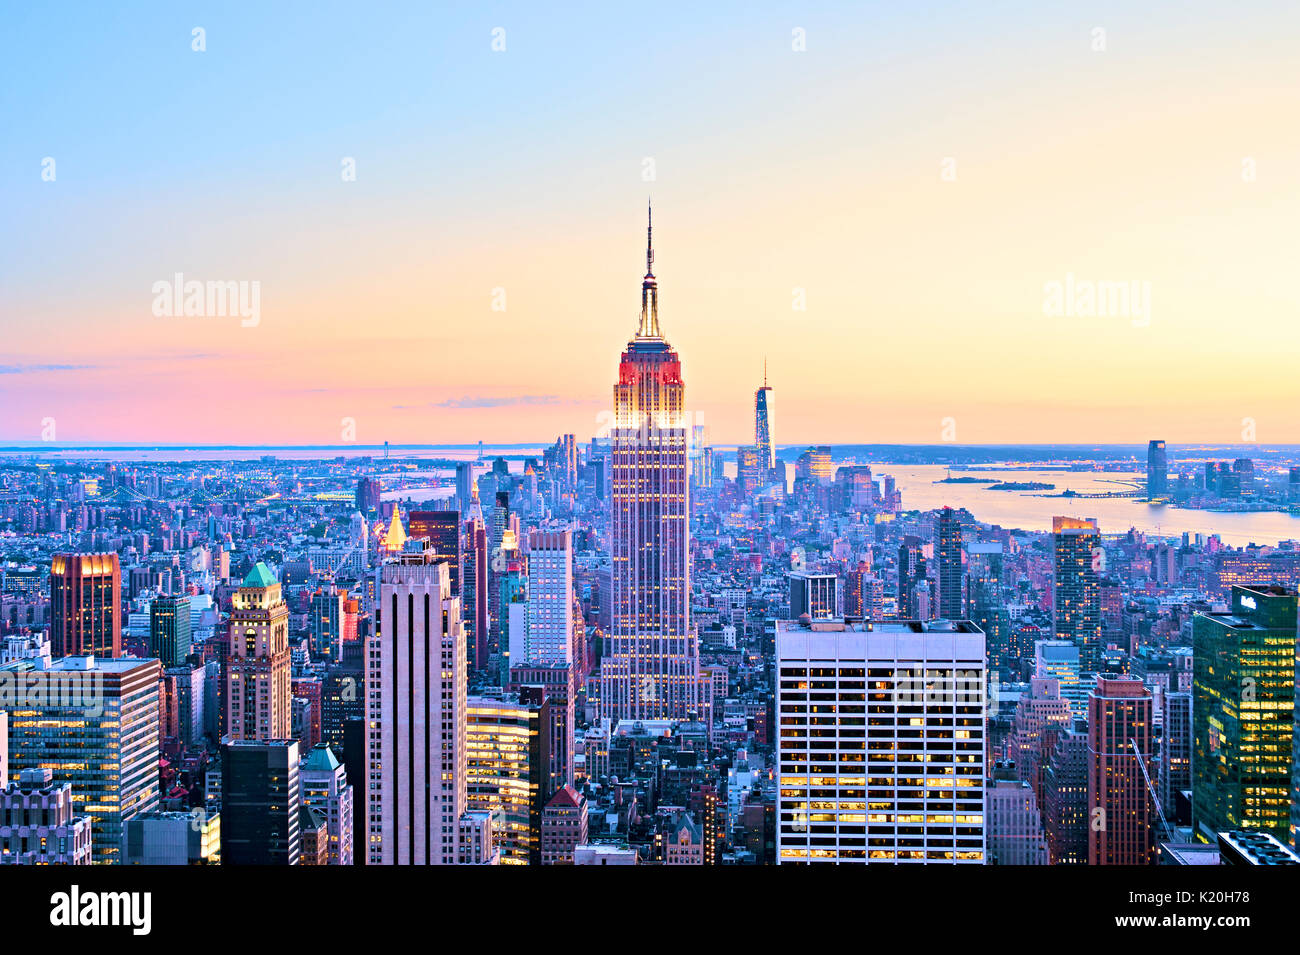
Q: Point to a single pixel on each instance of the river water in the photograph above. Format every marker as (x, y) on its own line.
(1029, 510)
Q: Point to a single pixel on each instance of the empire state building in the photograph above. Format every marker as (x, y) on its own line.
(652, 670)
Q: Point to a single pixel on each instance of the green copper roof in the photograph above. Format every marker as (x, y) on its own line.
(259, 576)
(321, 759)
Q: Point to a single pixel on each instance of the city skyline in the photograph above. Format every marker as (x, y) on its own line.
(954, 213)
(946, 514)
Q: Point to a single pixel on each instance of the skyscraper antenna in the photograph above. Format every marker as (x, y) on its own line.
(649, 326)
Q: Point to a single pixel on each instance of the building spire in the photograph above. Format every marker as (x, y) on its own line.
(649, 327)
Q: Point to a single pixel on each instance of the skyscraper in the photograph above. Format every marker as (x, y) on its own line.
(38, 825)
(920, 688)
(259, 802)
(1014, 824)
(1076, 595)
(984, 600)
(911, 574)
(464, 485)
(442, 528)
(169, 629)
(85, 605)
(1065, 796)
(863, 594)
(1120, 828)
(814, 594)
(763, 440)
(326, 620)
(548, 636)
(505, 766)
(750, 473)
(1157, 471)
(323, 785)
(1243, 701)
(93, 723)
(415, 708)
(1059, 660)
(498, 522)
(948, 550)
(651, 670)
(258, 665)
(564, 826)
(1175, 746)
(475, 587)
(367, 498)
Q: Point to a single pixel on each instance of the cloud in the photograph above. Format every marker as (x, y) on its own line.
(499, 401)
(29, 369)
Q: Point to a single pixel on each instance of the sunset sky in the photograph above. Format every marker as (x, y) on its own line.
(1171, 157)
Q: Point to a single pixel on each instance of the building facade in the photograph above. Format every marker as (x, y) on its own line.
(258, 662)
(651, 670)
(1243, 709)
(1120, 771)
(94, 723)
(85, 605)
(881, 738)
(415, 709)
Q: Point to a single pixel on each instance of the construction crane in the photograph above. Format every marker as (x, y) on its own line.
(1142, 765)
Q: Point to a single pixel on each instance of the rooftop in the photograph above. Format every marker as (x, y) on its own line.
(259, 576)
(863, 625)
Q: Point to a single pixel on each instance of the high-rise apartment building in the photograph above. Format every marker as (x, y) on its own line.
(85, 605)
(947, 549)
(651, 670)
(1076, 594)
(258, 663)
(188, 685)
(552, 691)
(368, 496)
(497, 525)
(984, 606)
(880, 752)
